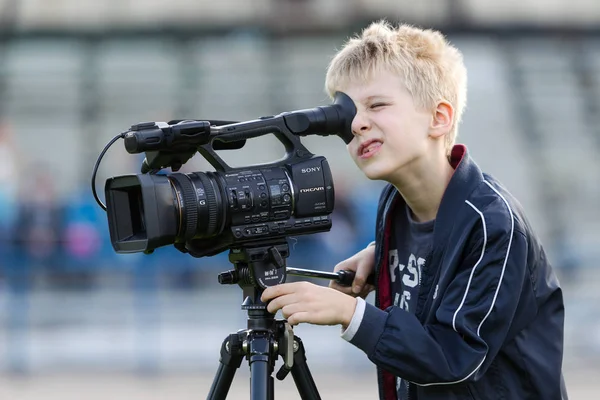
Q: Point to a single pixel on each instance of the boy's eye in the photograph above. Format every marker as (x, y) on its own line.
(378, 105)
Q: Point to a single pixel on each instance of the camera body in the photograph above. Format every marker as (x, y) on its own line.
(205, 213)
(212, 211)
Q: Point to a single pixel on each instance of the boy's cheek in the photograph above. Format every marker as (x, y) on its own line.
(351, 148)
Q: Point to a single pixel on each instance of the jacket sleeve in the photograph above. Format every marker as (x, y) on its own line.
(472, 320)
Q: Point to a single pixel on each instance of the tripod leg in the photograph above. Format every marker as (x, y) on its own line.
(261, 366)
(301, 374)
(231, 359)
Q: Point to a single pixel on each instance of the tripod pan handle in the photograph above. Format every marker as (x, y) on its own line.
(346, 277)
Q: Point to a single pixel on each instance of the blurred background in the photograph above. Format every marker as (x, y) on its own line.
(78, 321)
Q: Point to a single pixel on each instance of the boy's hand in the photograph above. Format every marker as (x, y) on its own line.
(362, 263)
(307, 302)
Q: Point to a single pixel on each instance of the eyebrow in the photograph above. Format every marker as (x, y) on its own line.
(375, 97)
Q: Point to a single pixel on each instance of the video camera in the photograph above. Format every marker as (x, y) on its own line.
(250, 210)
(205, 213)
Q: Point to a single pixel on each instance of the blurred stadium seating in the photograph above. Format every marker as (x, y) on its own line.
(74, 74)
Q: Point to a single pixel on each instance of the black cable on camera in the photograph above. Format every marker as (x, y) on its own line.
(113, 140)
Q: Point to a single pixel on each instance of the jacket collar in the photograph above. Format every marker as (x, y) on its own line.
(466, 177)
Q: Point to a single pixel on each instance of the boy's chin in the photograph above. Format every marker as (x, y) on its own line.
(375, 174)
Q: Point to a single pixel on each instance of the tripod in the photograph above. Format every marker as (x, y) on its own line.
(265, 338)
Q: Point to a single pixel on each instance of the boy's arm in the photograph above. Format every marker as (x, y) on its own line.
(473, 318)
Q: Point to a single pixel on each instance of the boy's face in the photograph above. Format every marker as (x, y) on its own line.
(390, 132)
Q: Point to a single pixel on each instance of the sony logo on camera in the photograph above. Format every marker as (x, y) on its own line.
(312, 189)
(310, 169)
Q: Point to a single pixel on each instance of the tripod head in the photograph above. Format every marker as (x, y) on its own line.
(255, 269)
(261, 266)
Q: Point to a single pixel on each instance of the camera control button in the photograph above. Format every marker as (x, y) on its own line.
(233, 199)
(259, 230)
(281, 214)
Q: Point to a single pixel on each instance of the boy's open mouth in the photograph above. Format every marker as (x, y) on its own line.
(369, 148)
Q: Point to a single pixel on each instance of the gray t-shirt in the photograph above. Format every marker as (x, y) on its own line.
(410, 245)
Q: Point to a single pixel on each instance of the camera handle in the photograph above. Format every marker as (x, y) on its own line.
(343, 277)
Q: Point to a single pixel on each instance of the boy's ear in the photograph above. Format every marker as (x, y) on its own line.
(442, 119)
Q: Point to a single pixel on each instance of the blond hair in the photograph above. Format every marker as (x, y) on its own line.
(430, 67)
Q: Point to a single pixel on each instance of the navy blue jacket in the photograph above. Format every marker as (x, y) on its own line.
(489, 317)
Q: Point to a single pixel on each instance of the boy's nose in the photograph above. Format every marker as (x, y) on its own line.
(360, 124)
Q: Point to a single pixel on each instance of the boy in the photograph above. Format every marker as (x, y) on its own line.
(467, 306)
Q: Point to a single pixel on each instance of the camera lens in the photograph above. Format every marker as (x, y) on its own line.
(200, 206)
